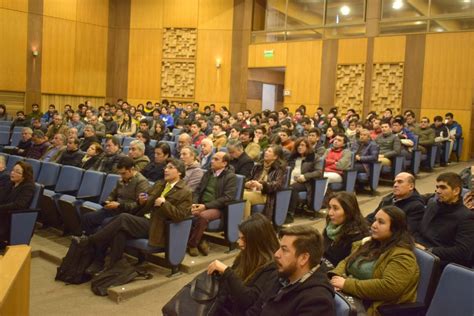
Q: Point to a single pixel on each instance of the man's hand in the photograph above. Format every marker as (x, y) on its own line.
(300, 179)
(357, 157)
(420, 246)
(197, 208)
(159, 201)
(142, 198)
(111, 205)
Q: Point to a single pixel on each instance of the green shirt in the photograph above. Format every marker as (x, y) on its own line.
(209, 193)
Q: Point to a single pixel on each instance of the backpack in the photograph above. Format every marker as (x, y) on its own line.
(74, 264)
(120, 273)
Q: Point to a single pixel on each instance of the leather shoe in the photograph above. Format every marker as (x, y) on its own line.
(193, 251)
(203, 247)
(95, 268)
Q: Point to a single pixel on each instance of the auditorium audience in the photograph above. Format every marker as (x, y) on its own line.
(72, 156)
(382, 268)
(240, 161)
(137, 153)
(194, 173)
(154, 171)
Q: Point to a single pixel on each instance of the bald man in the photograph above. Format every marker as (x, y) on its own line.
(406, 197)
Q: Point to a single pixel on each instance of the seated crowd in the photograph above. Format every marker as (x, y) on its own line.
(192, 169)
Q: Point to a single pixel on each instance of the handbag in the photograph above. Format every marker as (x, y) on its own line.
(195, 298)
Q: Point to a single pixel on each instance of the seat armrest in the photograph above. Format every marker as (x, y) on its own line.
(402, 309)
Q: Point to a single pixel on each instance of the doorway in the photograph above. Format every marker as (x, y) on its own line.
(265, 89)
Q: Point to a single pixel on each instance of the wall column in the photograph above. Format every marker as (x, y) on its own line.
(33, 63)
(413, 73)
(241, 32)
(117, 50)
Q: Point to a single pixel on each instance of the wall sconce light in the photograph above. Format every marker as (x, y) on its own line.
(218, 63)
(35, 52)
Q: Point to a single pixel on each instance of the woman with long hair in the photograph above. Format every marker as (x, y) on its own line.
(16, 195)
(253, 270)
(344, 225)
(382, 268)
(127, 127)
(266, 178)
(306, 166)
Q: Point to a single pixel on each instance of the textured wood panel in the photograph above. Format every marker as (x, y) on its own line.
(328, 73)
(257, 58)
(389, 49)
(18, 5)
(352, 51)
(215, 14)
(212, 84)
(74, 100)
(177, 79)
(387, 87)
(13, 33)
(267, 76)
(14, 101)
(64, 9)
(179, 43)
(303, 72)
(413, 77)
(146, 14)
(448, 75)
(350, 87)
(93, 12)
(144, 79)
(183, 13)
(90, 60)
(59, 37)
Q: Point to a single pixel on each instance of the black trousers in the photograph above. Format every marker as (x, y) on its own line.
(116, 232)
(295, 189)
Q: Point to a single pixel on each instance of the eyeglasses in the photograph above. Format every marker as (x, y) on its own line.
(20, 173)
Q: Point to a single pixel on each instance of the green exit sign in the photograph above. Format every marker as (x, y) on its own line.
(268, 53)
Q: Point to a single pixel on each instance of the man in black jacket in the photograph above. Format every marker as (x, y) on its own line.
(304, 288)
(72, 156)
(241, 162)
(217, 187)
(447, 228)
(406, 197)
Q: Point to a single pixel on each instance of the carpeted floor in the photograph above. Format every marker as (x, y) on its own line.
(54, 298)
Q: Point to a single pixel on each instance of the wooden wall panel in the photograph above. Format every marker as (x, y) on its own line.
(74, 100)
(14, 101)
(17, 5)
(215, 14)
(267, 76)
(448, 79)
(390, 49)
(144, 73)
(257, 59)
(352, 51)
(146, 14)
(64, 9)
(13, 32)
(58, 55)
(93, 12)
(303, 72)
(90, 60)
(183, 13)
(212, 84)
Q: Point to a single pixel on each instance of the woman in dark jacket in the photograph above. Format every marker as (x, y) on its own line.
(266, 178)
(16, 196)
(253, 271)
(93, 155)
(344, 225)
(306, 166)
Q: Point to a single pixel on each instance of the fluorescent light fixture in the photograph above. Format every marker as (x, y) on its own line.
(345, 10)
(397, 4)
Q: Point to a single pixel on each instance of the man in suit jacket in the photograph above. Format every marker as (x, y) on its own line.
(55, 151)
(168, 199)
(241, 162)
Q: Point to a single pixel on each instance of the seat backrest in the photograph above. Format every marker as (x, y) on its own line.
(454, 294)
(109, 184)
(49, 173)
(38, 192)
(352, 160)
(240, 187)
(287, 177)
(153, 142)
(127, 140)
(69, 179)
(36, 165)
(125, 150)
(343, 307)
(429, 269)
(415, 142)
(12, 160)
(4, 137)
(16, 137)
(91, 184)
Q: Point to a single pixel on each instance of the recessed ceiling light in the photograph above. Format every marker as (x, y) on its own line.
(345, 10)
(467, 1)
(397, 4)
